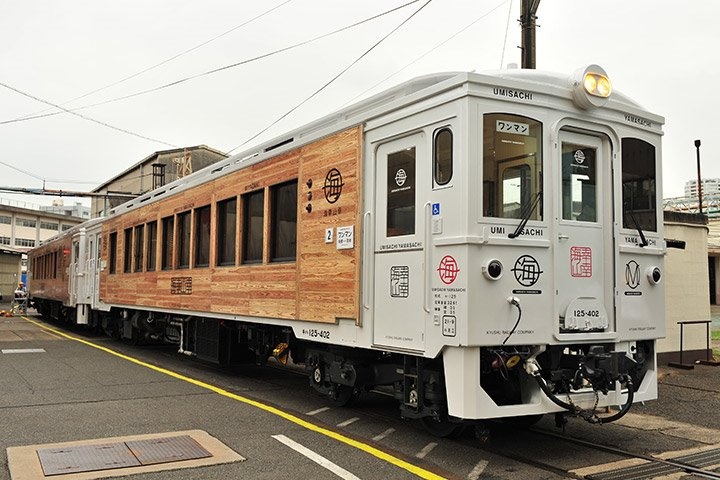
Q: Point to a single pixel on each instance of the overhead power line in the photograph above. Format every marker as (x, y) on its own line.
(153, 67)
(332, 79)
(85, 117)
(215, 70)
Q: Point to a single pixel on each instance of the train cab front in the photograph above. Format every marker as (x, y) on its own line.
(566, 298)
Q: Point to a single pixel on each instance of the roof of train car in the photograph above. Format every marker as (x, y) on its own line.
(415, 90)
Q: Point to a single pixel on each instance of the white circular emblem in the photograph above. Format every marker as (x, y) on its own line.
(579, 156)
(400, 177)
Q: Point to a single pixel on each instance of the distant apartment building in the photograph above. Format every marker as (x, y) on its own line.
(710, 186)
(77, 210)
(23, 225)
(150, 173)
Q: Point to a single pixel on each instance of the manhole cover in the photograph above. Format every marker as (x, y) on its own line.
(90, 458)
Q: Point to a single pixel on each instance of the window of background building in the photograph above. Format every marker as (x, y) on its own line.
(253, 218)
(226, 231)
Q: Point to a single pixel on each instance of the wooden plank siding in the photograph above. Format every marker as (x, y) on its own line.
(321, 285)
(50, 281)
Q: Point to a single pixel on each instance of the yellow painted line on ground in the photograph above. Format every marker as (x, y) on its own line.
(414, 469)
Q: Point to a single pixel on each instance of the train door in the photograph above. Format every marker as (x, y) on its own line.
(584, 248)
(95, 252)
(400, 283)
(73, 270)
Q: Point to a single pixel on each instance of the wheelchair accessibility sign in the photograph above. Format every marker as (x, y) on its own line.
(435, 209)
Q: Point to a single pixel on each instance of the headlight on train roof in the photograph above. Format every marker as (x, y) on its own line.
(591, 87)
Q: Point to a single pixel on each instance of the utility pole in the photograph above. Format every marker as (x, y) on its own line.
(527, 24)
(699, 185)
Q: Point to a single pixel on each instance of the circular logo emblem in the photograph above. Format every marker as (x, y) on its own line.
(333, 185)
(400, 177)
(448, 269)
(527, 271)
(579, 156)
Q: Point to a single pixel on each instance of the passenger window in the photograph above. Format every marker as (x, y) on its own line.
(512, 166)
(226, 227)
(168, 225)
(253, 220)
(139, 245)
(443, 156)
(401, 193)
(283, 234)
(127, 251)
(638, 185)
(112, 253)
(579, 183)
(202, 237)
(183, 240)
(151, 246)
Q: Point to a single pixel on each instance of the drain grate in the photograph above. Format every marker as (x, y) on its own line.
(90, 458)
(651, 470)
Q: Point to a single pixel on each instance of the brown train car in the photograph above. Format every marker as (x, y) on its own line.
(247, 243)
(48, 275)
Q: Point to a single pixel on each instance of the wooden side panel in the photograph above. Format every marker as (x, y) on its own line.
(50, 288)
(329, 276)
(321, 285)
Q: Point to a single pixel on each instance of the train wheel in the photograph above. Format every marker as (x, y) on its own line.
(442, 427)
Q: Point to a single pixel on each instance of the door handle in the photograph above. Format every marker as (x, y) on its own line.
(562, 236)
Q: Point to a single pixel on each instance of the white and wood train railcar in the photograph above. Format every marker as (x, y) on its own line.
(487, 244)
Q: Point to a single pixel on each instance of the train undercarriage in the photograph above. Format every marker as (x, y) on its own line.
(508, 375)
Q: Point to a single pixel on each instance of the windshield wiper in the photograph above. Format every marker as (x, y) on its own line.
(643, 241)
(526, 216)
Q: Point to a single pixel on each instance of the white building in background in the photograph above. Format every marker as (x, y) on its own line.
(77, 210)
(24, 225)
(710, 186)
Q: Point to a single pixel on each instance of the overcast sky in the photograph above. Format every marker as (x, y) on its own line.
(660, 53)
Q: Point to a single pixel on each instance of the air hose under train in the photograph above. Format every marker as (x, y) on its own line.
(533, 369)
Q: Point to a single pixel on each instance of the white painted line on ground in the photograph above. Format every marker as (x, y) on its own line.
(315, 457)
(23, 350)
(319, 410)
(426, 449)
(348, 422)
(478, 470)
(384, 434)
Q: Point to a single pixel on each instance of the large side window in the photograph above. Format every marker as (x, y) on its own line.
(283, 225)
(151, 246)
(112, 252)
(168, 224)
(127, 251)
(638, 185)
(226, 228)
(512, 166)
(139, 246)
(253, 219)
(401, 193)
(183, 240)
(202, 237)
(443, 156)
